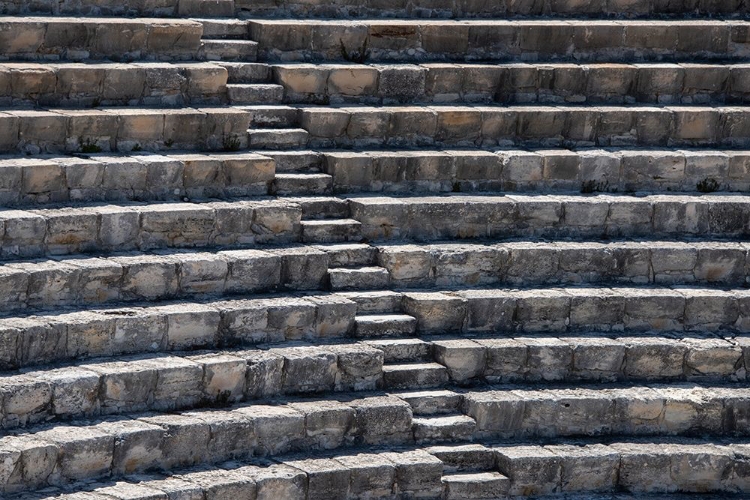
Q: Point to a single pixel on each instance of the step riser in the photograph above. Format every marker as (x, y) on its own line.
(430, 219)
(514, 83)
(165, 277)
(571, 310)
(122, 228)
(632, 467)
(123, 130)
(137, 177)
(525, 125)
(547, 359)
(500, 40)
(81, 39)
(587, 171)
(89, 86)
(619, 412)
(469, 9)
(545, 263)
(163, 8)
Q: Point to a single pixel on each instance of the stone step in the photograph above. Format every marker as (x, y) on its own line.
(579, 470)
(476, 485)
(656, 343)
(527, 263)
(677, 409)
(112, 84)
(584, 170)
(164, 8)
(330, 230)
(254, 93)
(398, 350)
(219, 49)
(83, 38)
(296, 161)
(246, 72)
(375, 40)
(182, 381)
(273, 116)
(358, 278)
(443, 428)
(349, 254)
(277, 138)
(414, 375)
(80, 280)
(168, 441)
(316, 208)
(131, 226)
(302, 184)
(129, 129)
(375, 302)
(384, 325)
(548, 126)
(447, 217)
(63, 335)
(540, 358)
(466, 9)
(521, 82)
(431, 403)
(219, 28)
(577, 309)
(132, 177)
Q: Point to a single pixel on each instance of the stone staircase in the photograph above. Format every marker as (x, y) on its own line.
(355, 250)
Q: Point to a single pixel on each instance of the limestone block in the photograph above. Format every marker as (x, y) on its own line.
(232, 435)
(464, 358)
(148, 276)
(358, 367)
(352, 81)
(308, 369)
(303, 268)
(382, 419)
(82, 452)
(185, 439)
(334, 316)
(137, 445)
(436, 312)
(252, 270)
(418, 473)
(265, 374)
(127, 385)
(202, 273)
(326, 478)
(243, 321)
(278, 428)
(370, 474)
(26, 400)
(179, 382)
(532, 469)
(587, 468)
(653, 357)
(400, 82)
(75, 391)
(327, 423)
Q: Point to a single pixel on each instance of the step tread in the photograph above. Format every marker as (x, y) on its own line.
(384, 318)
(330, 222)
